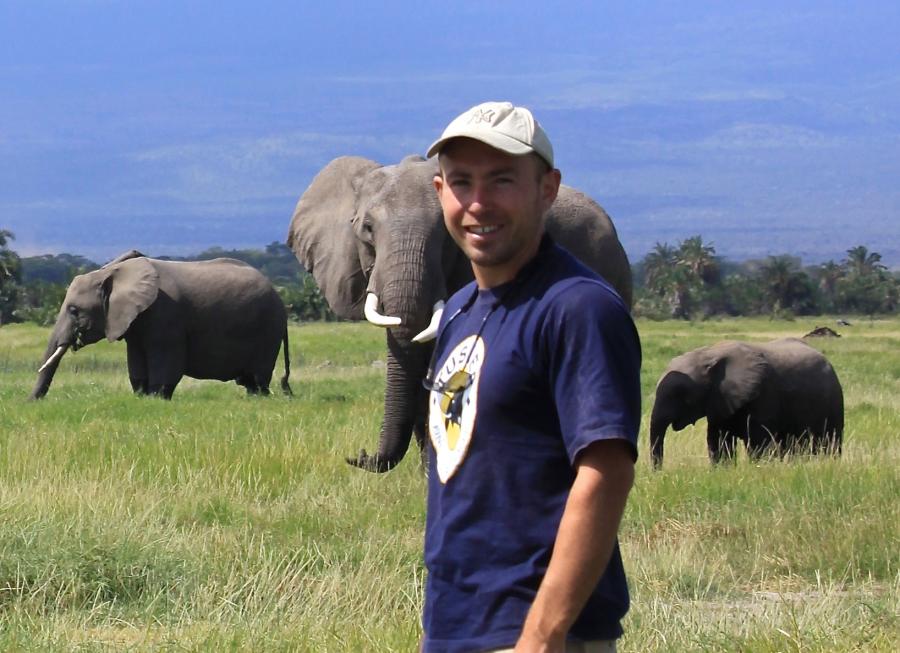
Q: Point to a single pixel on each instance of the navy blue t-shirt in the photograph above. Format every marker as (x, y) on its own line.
(525, 376)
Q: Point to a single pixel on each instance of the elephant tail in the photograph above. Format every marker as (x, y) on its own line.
(285, 386)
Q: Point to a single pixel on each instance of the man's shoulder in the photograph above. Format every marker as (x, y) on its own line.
(459, 302)
(460, 297)
(571, 282)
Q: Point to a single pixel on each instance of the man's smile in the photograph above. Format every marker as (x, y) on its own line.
(481, 230)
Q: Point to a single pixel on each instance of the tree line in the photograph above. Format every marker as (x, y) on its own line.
(685, 281)
(689, 281)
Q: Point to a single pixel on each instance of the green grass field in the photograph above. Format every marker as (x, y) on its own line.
(218, 521)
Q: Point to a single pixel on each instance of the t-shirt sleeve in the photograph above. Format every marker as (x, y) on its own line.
(593, 355)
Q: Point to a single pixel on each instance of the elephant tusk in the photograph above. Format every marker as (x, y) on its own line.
(376, 318)
(430, 331)
(53, 358)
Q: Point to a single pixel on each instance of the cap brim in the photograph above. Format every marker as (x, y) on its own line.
(496, 140)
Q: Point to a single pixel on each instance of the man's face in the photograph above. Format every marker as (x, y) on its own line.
(494, 205)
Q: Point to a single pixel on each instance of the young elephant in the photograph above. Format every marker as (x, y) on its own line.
(218, 319)
(782, 394)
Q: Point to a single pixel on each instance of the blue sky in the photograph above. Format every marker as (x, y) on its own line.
(176, 126)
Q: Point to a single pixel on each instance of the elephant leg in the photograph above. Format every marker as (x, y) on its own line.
(827, 441)
(834, 444)
(137, 367)
(761, 440)
(262, 380)
(164, 390)
(252, 384)
(720, 443)
(831, 442)
(256, 389)
(817, 441)
(166, 366)
(802, 442)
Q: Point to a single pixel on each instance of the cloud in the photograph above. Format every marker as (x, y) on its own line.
(598, 95)
(740, 95)
(744, 136)
(251, 152)
(232, 174)
(648, 87)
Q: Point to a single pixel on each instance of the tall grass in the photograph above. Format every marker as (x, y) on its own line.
(219, 521)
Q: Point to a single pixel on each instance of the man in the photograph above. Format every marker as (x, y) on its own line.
(534, 408)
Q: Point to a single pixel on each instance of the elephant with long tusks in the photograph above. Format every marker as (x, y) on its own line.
(218, 319)
(373, 237)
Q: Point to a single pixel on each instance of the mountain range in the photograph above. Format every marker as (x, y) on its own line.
(766, 127)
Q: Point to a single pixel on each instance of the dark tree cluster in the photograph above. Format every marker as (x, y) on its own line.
(688, 281)
(10, 277)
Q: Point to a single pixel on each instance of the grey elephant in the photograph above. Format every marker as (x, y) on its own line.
(780, 396)
(373, 237)
(218, 319)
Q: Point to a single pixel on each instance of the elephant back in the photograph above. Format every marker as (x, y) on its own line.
(214, 282)
(579, 224)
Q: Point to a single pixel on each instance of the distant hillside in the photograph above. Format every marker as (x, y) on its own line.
(640, 226)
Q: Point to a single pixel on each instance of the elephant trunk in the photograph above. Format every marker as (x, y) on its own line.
(408, 280)
(52, 356)
(405, 402)
(658, 426)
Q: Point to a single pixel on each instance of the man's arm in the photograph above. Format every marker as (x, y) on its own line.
(583, 546)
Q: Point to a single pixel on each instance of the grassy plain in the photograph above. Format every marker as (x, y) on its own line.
(218, 521)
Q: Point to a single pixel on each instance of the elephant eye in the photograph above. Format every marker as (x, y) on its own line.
(73, 310)
(367, 232)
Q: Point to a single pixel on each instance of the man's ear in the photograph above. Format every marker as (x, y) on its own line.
(550, 182)
(438, 183)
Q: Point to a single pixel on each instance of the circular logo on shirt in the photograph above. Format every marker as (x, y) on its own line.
(453, 404)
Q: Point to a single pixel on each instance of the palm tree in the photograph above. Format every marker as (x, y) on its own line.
(699, 258)
(867, 286)
(782, 281)
(8, 259)
(668, 279)
(829, 274)
(10, 276)
(860, 262)
(658, 266)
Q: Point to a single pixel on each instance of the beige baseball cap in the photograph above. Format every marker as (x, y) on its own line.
(501, 125)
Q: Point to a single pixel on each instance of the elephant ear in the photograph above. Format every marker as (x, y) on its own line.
(322, 237)
(130, 287)
(738, 373)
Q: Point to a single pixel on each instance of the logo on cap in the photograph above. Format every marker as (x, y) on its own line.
(482, 115)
